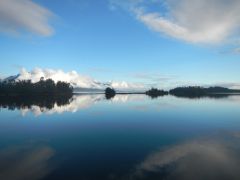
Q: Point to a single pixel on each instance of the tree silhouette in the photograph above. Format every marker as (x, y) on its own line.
(197, 91)
(154, 93)
(43, 87)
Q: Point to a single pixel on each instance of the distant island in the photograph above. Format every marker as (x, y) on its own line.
(43, 87)
(197, 91)
(154, 93)
(110, 93)
(193, 92)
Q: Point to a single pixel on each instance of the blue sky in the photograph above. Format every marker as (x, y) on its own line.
(149, 42)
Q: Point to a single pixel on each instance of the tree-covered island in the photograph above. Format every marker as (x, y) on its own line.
(109, 93)
(154, 93)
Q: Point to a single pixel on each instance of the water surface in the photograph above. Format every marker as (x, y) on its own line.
(127, 137)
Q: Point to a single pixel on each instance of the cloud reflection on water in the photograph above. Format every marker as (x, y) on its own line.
(77, 103)
(210, 158)
(25, 162)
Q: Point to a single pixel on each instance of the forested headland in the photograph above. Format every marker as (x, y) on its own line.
(28, 88)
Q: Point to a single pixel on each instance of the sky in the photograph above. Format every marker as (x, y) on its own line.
(131, 43)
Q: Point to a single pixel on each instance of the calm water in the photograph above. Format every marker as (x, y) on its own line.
(128, 137)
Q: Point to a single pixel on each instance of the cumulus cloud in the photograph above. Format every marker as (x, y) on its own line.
(195, 21)
(24, 15)
(72, 77)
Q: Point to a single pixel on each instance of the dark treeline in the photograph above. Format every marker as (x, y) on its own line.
(188, 91)
(42, 101)
(43, 87)
(154, 93)
(194, 92)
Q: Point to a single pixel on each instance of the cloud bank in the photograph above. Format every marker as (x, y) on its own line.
(72, 77)
(24, 15)
(194, 21)
(75, 79)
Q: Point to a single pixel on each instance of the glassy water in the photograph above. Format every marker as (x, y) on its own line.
(128, 137)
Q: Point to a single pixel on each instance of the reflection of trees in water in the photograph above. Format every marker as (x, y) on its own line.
(60, 104)
(49, 104)
(22, 102)
(198, 96)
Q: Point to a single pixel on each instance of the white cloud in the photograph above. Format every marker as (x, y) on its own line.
(195, 21)
(75, 79)
(72, 77)
(123, 85)
(24, 15)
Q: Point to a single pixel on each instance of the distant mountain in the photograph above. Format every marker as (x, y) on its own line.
(221, 90)
(93, 86)
(11, 78)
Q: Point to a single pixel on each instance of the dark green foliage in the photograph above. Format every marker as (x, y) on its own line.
(43, 87)
(154, 93)
(109, 93)
(194, 91)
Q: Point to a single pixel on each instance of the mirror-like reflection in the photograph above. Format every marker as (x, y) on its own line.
(22, 102)
(59, 104)
(214, 96)
(77, 103)
(52, 105)
(128, 137)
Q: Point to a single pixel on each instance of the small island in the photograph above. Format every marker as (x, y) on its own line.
(109, 93)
